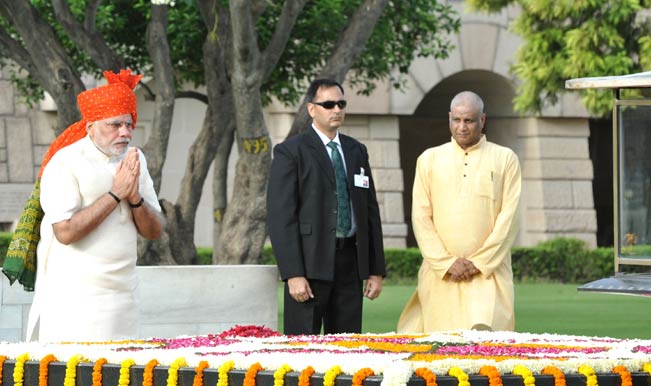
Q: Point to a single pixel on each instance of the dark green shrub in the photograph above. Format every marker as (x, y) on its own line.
(563, 260)
(268, 257)
(204, 255)
(5, 239)
(402, 263)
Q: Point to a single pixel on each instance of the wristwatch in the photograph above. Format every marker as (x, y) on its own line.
(138, 204)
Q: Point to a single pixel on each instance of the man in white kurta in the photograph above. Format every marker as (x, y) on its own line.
(464, 214)
(97, 196)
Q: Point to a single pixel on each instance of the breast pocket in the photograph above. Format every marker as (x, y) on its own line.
(489, 184)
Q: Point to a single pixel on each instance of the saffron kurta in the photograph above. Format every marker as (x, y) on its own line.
(464, 206)
(85, 291)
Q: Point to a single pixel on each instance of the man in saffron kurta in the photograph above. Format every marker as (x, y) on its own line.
(464, 215)
(97, 196)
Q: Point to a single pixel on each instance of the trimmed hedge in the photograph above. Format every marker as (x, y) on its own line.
(561, 260)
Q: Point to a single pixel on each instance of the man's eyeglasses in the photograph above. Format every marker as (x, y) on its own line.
(329, 105)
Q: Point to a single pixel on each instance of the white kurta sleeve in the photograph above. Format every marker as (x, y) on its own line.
(146, 184)
(60, 197)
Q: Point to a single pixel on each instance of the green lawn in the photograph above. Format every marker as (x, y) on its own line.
(553, 308)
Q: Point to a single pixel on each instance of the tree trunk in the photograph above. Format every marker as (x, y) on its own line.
(243, 231)
(164, 250)
(219, 188)
(244, 227)
(158, 46)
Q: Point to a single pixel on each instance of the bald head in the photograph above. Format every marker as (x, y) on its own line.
(467, 119)
(470, 99)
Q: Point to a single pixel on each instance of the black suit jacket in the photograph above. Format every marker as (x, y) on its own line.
(302, 208)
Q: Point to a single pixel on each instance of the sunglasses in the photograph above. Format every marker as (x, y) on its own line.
(329, 105)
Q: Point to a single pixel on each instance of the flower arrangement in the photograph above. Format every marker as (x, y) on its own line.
(97, 371)
(304, 377)
(395, 358)
(43, 369)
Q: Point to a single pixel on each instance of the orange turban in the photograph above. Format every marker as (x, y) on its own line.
(110, 100)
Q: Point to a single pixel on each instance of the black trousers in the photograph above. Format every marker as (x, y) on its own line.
(337, 305)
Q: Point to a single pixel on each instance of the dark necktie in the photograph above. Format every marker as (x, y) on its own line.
(343, 202)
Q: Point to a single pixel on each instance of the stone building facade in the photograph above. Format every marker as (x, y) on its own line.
(396, 126)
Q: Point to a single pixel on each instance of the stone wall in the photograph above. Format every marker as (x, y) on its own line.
(557, 176)
(25, 135)
(177, 300)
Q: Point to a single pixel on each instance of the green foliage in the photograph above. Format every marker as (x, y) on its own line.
(405, 30)
(564, 260)
(5, 239)
(573, 39)
(204, 256)
(561, 260)
(402, 263)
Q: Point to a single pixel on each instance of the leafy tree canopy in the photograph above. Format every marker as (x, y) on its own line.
(406, 30)
(565, 39)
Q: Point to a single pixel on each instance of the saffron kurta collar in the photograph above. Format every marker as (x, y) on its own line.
(482, 140)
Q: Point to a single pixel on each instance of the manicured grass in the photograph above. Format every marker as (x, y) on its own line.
(539, 307)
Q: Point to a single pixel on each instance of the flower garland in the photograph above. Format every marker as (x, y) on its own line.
(198, 373)
(559, 376)
(460, 375)
(249, 377)
(647, 367)
(279, 375)
(385, 346)
(427, 375)
(222, 372)
(361, 374)
(627, 379)
(19, 369)
(304, 377)
(148, 373)
(173, 371)
(526, 374)
(493, 374)
(71, 370)
(3, 358)
(125, 375)
(43, 368)
(590, 376)
(331, 375)
(97, 371)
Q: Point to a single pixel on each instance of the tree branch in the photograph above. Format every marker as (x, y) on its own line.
(52, 67)
(346, 52)
(91, 15)
(192, 95)
(257, 7)
(87, 39)
(15, 51)
(159, 52)
(286, 21)
(245, 46)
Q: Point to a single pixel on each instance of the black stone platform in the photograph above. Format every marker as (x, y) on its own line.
(111, 374)
(622, 283)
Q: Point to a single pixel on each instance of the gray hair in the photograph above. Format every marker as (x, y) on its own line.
(468, 97)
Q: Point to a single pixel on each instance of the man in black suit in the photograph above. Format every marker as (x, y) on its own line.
(324, 221)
